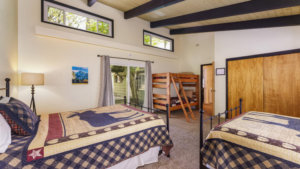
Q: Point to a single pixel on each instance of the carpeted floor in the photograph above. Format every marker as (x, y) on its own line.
(186, 138)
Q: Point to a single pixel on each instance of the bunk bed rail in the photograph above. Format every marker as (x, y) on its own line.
(227, 114)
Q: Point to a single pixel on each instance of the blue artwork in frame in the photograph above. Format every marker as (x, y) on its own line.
(80, 75)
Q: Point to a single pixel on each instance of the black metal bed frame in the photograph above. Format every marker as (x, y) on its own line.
(152, 110)
(228, 115)
(7, 87)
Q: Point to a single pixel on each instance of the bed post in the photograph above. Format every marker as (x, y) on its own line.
(201, 136)
(168, 125)
(168, 93)
(125, 100)
(167, 115)
(201, 128)
(7, 86)
(241, 100)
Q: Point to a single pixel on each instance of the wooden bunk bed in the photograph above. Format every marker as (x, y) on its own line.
(165, 81)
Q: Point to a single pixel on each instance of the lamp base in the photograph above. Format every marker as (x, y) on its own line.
(32, 102)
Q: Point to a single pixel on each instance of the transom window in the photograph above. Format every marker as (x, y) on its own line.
(68, 16)
(158, 41)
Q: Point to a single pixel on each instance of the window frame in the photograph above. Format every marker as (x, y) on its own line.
(76, 11)
(160, 37)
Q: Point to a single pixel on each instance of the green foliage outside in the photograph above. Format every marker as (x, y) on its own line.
(91, 25)
(76, 21)
(55, 15)
(147, 40)
(119, 74)
(119, 71)
(158, 42)
(135, 77)
(119, 82)
(103, 27)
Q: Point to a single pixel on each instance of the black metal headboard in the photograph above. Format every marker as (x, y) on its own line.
(7, 87)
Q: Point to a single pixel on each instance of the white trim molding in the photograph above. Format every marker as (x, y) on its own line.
(64, 35)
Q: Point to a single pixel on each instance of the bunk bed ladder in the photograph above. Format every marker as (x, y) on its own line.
(181, 103)
(186, 99)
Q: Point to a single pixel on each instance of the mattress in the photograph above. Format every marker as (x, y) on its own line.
(175, 101)
(100, 138)
(254, 140)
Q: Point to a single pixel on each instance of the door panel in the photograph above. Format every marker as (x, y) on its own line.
(119, 78)
(282, 84)
(208, 84)
(245, 80)
(207, 89)
(128, 81)
(213, 88)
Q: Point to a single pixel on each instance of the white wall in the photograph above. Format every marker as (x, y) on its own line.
(221, 45)
(194, 50)
(54, 50)
(9, 43)
(249, 42)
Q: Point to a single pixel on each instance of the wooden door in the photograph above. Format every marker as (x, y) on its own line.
(207, 89)
(213, 88)
(282, 84)
(245, 80)
(208, 83)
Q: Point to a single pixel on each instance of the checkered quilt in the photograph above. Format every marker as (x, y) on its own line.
(97, 138)
(254, 140)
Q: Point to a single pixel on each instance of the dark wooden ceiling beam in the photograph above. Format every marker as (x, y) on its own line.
(91, 2)
(148, 7)
(261, 23)
(231, 10)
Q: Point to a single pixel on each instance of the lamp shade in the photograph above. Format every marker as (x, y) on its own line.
(32, 79)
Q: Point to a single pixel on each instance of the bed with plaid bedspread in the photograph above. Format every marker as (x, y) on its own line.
(254, 140)
(94, 138)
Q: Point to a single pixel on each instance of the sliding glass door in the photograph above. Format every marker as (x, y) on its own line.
(119, 78)
(137, 85)
(128, 80)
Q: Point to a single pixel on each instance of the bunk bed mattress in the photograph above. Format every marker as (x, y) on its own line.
(254, 140)
(175, 101)
(99, 138)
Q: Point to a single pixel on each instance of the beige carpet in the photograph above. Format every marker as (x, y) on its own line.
(185, 153)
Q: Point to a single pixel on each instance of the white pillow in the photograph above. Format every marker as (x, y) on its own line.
(5, 136)
(5, 100)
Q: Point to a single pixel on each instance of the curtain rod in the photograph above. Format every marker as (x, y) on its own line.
(127, 59)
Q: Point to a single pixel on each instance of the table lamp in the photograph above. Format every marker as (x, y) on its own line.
(32, 79)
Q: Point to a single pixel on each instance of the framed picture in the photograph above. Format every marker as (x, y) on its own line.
(80, 75)
(220, 71)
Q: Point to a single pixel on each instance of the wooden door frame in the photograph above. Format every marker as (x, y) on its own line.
(285, 52)
(201, 84)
